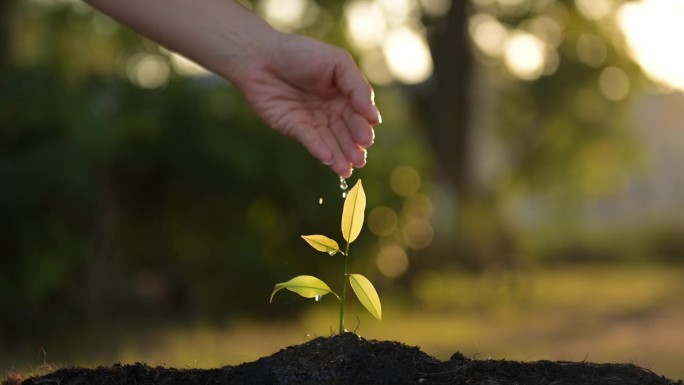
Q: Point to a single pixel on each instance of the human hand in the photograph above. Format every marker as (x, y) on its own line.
(313, 92)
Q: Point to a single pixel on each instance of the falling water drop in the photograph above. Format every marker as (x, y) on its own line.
(320, 200)
(343, 187)
(317, 298)
(343, 184)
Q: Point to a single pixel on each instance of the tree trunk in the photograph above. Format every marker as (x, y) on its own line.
(445, 106)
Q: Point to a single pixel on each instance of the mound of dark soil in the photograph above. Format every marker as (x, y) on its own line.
(350, 359)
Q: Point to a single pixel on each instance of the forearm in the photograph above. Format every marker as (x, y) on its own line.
(220, 35)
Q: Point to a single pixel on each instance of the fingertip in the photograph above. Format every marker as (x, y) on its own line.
(362, 162)
(376, 117)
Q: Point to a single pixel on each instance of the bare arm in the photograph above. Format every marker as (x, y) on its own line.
(221, 35)
(301, 87)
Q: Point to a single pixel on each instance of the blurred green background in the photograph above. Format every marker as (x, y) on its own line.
(525, 192)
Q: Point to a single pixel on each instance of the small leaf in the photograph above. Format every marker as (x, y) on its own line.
(304, 285)
(322, 243)
(367, 295)
(352, 213)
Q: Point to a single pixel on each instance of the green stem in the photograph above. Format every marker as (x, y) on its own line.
(344, 289)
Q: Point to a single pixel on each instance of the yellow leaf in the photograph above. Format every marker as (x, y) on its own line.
(304, 285)
(367, 295)
(322, 243)
(352, 213)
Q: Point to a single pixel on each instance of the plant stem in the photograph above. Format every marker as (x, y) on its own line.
(344, 289)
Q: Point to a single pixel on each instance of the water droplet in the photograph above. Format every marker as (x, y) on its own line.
(343, 187)
(317, 298)
(320, 200)
(343, 184)
(332, 252)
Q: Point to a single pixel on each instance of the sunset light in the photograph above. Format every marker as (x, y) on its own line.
(653, 30)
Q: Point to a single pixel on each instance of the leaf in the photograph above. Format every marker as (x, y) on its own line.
(366, 293)
(352, 213)
(304, 285)
(322, 243)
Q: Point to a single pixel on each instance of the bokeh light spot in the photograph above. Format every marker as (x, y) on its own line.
(594, 9)
(418, 206)
(375, 68)
(366, 24)
(488, 34)
(547, 29)
(147, 70)
(405, 181)
(418, 233)
(524, 55)
(591, 50)
(392, 261)
(614, 83)
(284, 14)
(653, 30)
(408, 55)
(382, 221)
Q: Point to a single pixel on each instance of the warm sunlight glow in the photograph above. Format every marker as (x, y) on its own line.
(392, 261)
(591, 50)
(382, 221)
(405, 181)
(418, 233)
(284, 14)
(547, 29)
(488, 34)
(418, 206)
(148, 71)
(614, 83)
(525, 55)
(407, 55)
(594, 9)
(397, 11)
(375, 68)
(654, 30)
(366, 24)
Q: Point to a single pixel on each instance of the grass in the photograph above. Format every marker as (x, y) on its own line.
(601, 314)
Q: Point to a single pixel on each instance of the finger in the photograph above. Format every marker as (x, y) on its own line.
(354, 154)
(361, 131)
(313, 141)
(339, 163)
(356, 88)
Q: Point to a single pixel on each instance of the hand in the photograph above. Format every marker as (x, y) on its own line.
(315, 93)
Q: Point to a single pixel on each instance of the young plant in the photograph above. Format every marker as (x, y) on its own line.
(311, 287)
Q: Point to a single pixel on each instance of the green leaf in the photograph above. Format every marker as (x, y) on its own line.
(366, 293)
(306, 286)
(352, 213)
(322, 243)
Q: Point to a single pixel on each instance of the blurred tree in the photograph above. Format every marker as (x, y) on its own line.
(127, 184)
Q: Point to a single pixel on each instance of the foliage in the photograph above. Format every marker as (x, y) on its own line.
(312, 287)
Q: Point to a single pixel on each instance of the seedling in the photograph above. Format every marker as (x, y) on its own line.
(311, 287)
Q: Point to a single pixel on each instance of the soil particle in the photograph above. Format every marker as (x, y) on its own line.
(350, 359)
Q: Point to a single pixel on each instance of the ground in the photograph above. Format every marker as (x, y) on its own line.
(350, 359)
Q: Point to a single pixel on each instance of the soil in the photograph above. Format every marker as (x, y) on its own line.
(350, 359)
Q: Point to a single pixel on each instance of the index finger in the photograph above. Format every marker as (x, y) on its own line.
(357, 89)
